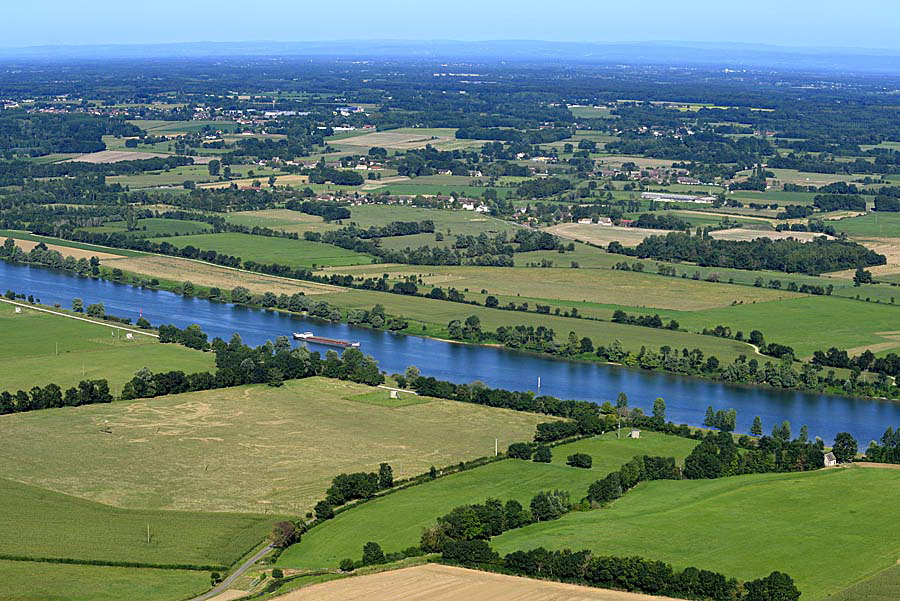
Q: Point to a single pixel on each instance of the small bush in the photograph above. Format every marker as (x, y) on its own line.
(582, 460)
(347, 565)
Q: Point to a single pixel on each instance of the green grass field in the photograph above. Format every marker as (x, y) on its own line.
(38, 523)
(154, 226)
(745, 526)
(871, 225)
(798, 322)
(28, 581)
(446, 222)
(253, 449)
(396, 521)
(53, 349)
(295, 253)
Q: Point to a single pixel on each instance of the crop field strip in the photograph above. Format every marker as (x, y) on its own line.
(434, 582)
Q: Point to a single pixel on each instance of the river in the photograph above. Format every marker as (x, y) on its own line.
(686, 398)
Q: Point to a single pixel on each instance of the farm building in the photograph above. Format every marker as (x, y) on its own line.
(667, 197)
(634, 434)
(830, 459)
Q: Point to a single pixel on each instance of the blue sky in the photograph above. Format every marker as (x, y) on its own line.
(828, 23)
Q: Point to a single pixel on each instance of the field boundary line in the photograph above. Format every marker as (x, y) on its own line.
(61, 314)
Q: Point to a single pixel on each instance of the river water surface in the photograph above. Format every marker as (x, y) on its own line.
(686, 398)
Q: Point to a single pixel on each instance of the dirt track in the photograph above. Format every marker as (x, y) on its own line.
(433, 582)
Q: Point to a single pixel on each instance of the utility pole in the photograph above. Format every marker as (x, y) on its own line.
(496, 447)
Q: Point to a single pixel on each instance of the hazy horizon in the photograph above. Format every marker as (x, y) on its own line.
(871, 25)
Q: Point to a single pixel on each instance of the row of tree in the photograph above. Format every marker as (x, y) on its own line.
(52, 396)
(634, 574)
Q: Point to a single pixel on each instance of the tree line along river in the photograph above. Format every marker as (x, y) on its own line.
(686, 398)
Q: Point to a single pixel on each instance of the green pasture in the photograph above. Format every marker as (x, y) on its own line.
(744, 526)
(871, 225)
(54, 349)
(396, 521)
(154, 226)
(29, 581)
(285, 251)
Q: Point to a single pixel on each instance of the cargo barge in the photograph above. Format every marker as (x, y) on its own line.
(310, 337)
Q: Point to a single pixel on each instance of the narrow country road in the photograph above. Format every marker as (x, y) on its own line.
(234, 575)
(93, 321)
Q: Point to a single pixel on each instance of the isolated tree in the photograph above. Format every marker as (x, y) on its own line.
(284, 534)
(347, 565)
(96, 310)
(622, 400)
(372, 554)
(710, 420)
(862, 276)
(659, 409)
(845, 447)
(756, 429)
(214, 167)
(385, 476)
(804, 434)
(412, 374)
(77, 305)
(543, 454)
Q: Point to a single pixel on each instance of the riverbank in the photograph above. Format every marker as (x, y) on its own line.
(686, 398)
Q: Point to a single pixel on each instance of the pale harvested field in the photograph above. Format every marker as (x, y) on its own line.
(893, 342)
(67, 251)
(618, 160)
(396, 141)
(433, 582)
(115, 156)
(204, 274)
(748, 234)
(603, 234)
(889, 247)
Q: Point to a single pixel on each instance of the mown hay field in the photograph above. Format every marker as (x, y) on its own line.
(254, 449)
(610, 287)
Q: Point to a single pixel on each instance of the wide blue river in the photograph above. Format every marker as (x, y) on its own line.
(686, 398)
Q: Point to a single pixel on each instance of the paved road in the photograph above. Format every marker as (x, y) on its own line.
(234, 575)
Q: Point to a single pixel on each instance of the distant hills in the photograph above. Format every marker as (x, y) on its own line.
(735, 56)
